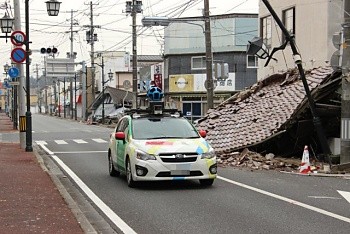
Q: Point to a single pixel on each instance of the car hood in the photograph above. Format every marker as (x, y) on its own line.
(155, 147)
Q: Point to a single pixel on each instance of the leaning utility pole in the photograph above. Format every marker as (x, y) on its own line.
(208, 57)
(22, 83)
(345, 102)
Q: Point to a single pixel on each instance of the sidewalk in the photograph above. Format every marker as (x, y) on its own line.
(29, 200)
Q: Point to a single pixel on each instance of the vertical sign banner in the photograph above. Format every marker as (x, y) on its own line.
(158, 81)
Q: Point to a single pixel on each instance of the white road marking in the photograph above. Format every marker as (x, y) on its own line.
(80, 152)
(79, 141)
(346, 195)
(99, 203)
(43, 145)
(99, 140)
(61, 142)
(294, 202)
(323, 197)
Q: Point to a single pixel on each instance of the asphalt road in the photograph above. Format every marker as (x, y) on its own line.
(240, 201)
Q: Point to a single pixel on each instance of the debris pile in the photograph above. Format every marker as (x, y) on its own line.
(255, 161)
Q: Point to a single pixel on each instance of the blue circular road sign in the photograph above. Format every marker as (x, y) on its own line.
(18, 55)
(13, 72)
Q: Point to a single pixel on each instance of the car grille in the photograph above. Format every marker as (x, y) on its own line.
(178, 157)
(167, 174)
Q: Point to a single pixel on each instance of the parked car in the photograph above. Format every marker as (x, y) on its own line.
(152, 147)
(115, 115)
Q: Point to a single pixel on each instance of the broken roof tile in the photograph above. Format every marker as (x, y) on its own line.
(255, 114)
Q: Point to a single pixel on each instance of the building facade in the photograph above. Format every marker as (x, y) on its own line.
(312, 23)
(185, 60)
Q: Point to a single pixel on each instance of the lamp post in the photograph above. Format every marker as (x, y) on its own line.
(6, 70)
(257, 47)
(53, 7)
(134, 7)
(6, 24)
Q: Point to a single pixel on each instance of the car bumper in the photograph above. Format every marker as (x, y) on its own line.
(156, 170)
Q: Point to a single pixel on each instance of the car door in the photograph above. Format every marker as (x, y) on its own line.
(121, 144)
(113, 144)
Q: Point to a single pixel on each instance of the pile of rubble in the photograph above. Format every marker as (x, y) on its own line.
(255, 161)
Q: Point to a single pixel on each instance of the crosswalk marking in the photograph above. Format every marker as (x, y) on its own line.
(66, 142)
(61, 142)
(80, 141)
(99, 140)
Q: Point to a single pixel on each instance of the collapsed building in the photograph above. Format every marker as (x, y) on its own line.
(273, 115)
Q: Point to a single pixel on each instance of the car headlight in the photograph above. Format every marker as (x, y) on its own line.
(144, 156)
(209, 154)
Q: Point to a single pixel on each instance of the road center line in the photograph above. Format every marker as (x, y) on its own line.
(294, 202)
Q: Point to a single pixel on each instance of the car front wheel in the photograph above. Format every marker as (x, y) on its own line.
(129, 179)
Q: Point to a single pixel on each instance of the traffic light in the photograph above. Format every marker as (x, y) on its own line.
(49, 50)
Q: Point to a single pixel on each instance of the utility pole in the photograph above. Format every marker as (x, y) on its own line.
(38, 89)
(345, 102)
(134, 7)
(208, 57)
(71, 55)
(91, 37)
(298, 61)
(22, 83)
(84, 98)
(46, 105)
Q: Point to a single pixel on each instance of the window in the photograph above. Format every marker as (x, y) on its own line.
(252, 61)
(159, 128)
(266, 30)
(288, 19)
(198, 63)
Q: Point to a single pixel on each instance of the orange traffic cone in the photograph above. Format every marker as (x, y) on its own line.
(305, 166)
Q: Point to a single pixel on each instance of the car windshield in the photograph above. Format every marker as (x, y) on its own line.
(157, 128)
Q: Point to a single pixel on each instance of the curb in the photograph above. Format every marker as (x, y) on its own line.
(79, 215)
(345, 176)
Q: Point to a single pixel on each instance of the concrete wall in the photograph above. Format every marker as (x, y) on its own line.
(316, 22)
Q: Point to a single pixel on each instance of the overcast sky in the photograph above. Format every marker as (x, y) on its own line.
(114, 33)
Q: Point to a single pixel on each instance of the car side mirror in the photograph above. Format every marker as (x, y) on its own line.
(202, 133)
(120, 136)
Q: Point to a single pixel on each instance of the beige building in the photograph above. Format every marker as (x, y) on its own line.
(313, 22)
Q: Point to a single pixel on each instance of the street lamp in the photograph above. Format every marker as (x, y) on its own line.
(6, 24)
(110, 74)
(257, 47)
(6, 68)
(53, 7)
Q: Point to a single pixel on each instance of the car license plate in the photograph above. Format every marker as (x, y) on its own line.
(179, 172)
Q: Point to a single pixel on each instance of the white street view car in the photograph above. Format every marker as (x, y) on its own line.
(160, 146)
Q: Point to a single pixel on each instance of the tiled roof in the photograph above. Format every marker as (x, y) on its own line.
(255, 115)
